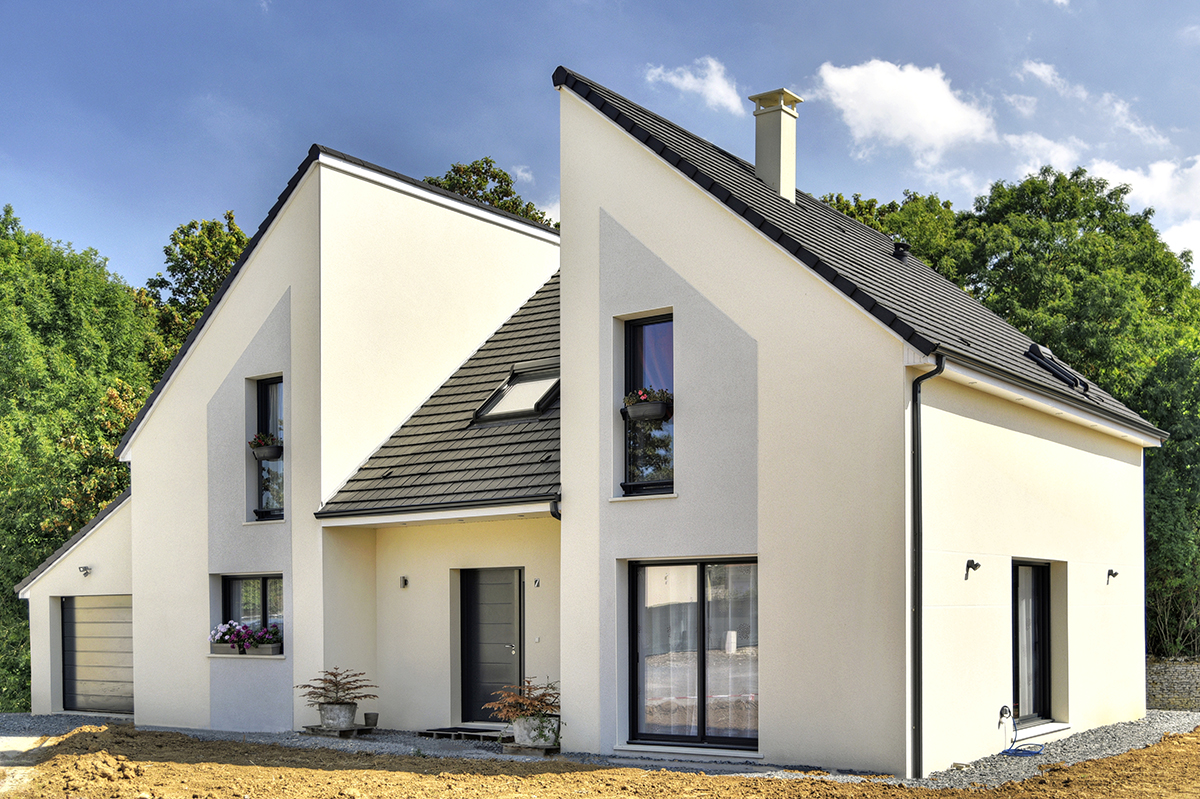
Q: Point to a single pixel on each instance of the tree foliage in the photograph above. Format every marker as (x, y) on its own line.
(1063, 259)
(79, 353)
(487, 183)
(199, 257)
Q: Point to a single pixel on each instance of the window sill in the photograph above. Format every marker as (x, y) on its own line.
(690, 751)
(636, 497)
(1038, 730)
(257, 522)
(249, 657)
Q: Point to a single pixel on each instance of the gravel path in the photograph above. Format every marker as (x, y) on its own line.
(989, 771)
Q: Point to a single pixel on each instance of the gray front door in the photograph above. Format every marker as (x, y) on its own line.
(97, 650)
(491, 637)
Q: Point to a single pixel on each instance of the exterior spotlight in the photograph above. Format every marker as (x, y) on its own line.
(85, 570)
(972, 565)
(1111, 574)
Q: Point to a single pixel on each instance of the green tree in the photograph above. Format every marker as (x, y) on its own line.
(199, 257)
(77, 358)
(487, 183)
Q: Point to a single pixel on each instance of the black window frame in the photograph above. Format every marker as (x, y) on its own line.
(1042, 637)
(264, 424)
(227, 603)
(633, 381)
(702, 739)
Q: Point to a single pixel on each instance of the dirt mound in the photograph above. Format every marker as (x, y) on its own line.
(121, 762)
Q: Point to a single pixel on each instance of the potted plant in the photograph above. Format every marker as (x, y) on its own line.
(335, 693)
(648, 405)
(221, 639)
(265, 641)
(532, 710)
(266, 447)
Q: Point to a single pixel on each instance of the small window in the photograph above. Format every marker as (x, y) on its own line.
(649, 438)
(527, 392)
(256, 601)
(270, 472)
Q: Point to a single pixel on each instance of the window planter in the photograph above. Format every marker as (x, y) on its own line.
(648, 411)
(265, 649)
(224, 649)
(273, 453)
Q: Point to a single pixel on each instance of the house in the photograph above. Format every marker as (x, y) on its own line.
(890, 523)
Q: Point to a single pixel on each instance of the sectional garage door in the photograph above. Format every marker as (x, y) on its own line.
(97, 652)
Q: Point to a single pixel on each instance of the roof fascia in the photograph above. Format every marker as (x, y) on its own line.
(22, 588)
(975, 376)
(477, 513)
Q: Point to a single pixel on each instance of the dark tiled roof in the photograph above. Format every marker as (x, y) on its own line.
(104, 513)
(314, 153)
(439, 459)
(919, 305)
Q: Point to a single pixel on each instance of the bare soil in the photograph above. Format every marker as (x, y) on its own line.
(124, 763)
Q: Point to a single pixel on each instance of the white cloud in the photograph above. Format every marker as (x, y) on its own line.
(1063, 3)
(1172, 188)
(904, 105)
(1048, 75)
(1036, 150)
(1191, 34)
(1124, 118)
(1024, 104)
(708, 80)
(552, 209)
(1184, 236)
(522, 174)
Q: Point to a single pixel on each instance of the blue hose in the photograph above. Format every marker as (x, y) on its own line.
(1024, 750)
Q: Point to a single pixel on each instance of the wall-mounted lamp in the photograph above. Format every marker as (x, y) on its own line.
(537, 583)
(85, 570)
(404, 582)
(972, 565)
(1111, 574)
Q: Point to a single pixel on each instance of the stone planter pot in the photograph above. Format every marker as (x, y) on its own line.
(370, 719)
(648, 411)
(267, 453)
(536, 731)
(224, 649)
(265, 649)
(337, 715)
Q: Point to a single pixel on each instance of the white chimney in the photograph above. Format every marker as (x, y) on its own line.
(775, 140)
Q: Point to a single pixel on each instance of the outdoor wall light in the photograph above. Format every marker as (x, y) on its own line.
(404, 582)
(972, 565)
(1111, 574)
(85, 570)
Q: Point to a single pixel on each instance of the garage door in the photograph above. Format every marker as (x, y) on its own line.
(97, 652)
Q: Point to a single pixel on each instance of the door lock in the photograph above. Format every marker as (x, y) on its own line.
(512, 649)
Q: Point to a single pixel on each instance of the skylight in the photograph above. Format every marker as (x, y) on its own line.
(526, 392)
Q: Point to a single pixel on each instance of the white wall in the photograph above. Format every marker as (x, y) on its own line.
(1003, 483)
(822, 503)
(105, 550)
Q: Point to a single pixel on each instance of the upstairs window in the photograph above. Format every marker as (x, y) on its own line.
(270, 472)
(649, 431)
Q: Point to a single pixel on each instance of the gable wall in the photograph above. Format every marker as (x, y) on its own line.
(192, 475)
(823, 503)
(1003, 482)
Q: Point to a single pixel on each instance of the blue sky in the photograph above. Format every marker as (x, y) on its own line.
(122, 121)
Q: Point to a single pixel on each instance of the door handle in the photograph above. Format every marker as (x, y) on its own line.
(512, 649)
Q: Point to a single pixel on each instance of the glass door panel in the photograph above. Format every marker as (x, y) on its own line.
(667, 675)
(731, 652)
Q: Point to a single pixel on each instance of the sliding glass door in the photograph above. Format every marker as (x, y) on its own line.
(695, 653)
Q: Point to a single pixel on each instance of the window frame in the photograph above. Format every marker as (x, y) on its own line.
(264, 579)
(632, 382)
(1040, 658)
(702, 739)
(264, 423)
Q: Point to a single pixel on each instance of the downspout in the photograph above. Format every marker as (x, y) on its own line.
(917, 547)
(555, 511)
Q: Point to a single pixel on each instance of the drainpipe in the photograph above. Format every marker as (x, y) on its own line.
(917, 547)
(555, 511)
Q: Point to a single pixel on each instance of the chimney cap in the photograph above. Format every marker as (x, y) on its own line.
(774, 101)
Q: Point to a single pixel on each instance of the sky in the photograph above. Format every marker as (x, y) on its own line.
(121, 121)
